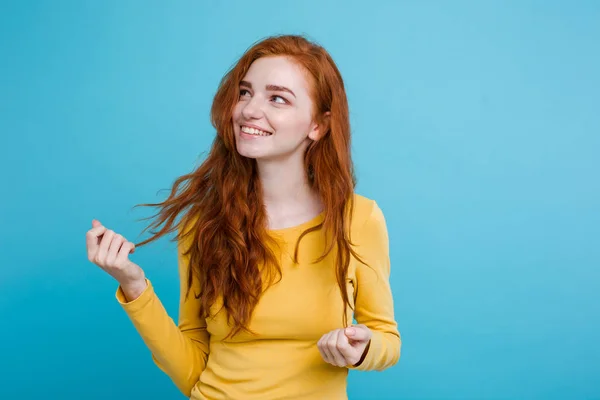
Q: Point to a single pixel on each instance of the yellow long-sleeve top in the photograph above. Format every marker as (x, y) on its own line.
(281, 359)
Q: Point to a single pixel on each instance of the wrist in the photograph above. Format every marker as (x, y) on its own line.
(133, 290)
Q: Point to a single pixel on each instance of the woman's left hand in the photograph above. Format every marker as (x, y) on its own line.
(345, 347)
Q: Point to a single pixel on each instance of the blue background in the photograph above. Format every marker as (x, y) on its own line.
(476, 127)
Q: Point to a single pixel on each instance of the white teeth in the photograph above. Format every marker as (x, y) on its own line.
(252, 131)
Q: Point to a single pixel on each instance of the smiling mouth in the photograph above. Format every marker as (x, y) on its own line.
(254, 132)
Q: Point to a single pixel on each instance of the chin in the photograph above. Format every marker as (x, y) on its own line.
(249, 153)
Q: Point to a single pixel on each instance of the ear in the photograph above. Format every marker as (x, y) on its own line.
(319, 129)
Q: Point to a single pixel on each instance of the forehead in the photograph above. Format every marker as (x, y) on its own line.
(277, 70)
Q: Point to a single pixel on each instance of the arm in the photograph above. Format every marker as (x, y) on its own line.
(374, 305)
(181, 351)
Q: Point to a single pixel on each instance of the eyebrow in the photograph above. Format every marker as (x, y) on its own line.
(274, 88)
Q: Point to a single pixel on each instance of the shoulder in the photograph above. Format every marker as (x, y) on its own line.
(366, 215)
(185, 229)
(369, 237)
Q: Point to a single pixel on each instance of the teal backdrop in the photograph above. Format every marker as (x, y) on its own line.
(476, 127)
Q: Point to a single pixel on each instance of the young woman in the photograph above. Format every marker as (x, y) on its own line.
(277, 253)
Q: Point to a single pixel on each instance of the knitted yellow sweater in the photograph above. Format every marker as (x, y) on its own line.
(281, 360)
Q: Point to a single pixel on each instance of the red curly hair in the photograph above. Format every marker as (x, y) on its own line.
(224, 195)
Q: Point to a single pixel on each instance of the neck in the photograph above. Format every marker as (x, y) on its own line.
(286, 188)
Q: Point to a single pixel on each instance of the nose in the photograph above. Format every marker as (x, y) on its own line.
(252, 109)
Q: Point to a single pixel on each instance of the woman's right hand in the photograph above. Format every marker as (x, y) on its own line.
(110, 251)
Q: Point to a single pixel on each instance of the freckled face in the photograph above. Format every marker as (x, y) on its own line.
(273, 116)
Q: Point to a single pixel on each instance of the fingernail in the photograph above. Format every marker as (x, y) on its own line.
(350, 331)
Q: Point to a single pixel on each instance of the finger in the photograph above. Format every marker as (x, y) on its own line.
(358, 333)
(320, 346)
(97, 231)
(338, 358)
(113, 249)
(95, 223)
(327, 356)
(104, 246)
(346, 351)
(122, 256)
(92, 239)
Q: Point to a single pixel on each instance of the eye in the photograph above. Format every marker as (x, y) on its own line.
(283, 101)
(244, 92)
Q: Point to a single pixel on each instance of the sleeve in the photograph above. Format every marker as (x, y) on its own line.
(180, 351)
(374, 305)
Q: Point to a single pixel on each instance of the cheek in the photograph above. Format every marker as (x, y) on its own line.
(237, 110)
(289, 124)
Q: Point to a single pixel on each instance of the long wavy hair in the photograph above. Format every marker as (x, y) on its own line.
(222, 198)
